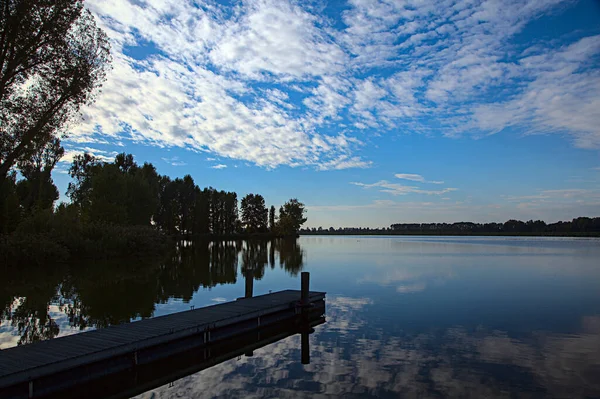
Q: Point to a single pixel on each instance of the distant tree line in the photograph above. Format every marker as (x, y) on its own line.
(577, 226)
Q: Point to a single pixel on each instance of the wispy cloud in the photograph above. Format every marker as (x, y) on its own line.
(344, 162)
(411, 288)
(558, 195)
(399, 189)
(174, 161)
(415, 177)
(219, 166)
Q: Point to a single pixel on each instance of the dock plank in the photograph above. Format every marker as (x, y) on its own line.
(20, 363)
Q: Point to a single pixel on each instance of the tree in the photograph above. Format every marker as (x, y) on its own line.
(81, 172)
(201, 223)
(272, 218)
(9, 205)
(119, 192)
(291, 217)
(125, 162)
(53, 57)
(254, 213)
(37, 190)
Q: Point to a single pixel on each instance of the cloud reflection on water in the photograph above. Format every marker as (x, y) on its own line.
(350, 359)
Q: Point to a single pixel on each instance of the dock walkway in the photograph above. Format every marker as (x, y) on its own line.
(33, 370)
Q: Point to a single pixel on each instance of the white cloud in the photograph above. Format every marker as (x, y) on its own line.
(344, 162)
(399, 189)
(263, 81)
(71, 153)
(278, 38)
(562, 96)
(415, 177)
(410, 176)
(411, 288)
(174, 161)
(219, 166)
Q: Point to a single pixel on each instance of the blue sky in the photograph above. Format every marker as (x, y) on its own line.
(371, 112)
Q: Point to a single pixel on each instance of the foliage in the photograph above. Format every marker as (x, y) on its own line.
(272, 219)
(37, 190)
(10, 210)
(254, 213)
(291, 217)
(53, 57)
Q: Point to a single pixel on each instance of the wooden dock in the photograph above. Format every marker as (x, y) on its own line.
(62, 364)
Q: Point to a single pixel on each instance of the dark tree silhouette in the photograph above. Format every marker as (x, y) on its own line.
(272, 219)
(291, 217)
(10, 210)
(53, 57)
(35, 191)
(254, 213)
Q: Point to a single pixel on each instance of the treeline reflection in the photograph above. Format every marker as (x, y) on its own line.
(98, 294)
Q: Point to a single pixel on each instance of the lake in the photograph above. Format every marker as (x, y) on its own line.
(406, 316)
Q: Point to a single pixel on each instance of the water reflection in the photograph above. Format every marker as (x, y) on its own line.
(350, 358)
(99, 294)
(406, 316)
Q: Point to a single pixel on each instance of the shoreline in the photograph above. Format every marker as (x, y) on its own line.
(450, 234)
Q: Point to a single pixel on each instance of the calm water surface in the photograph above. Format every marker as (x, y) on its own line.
(406, 316)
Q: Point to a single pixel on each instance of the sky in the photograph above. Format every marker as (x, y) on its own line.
(370, 112)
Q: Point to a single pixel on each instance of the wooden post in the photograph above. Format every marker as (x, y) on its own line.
(304, 288)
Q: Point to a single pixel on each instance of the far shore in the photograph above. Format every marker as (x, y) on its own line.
(449, 234)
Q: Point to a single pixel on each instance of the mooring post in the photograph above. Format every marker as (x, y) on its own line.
(304, 288)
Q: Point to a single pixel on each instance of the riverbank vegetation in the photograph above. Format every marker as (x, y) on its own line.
(121, 208)
(578, 227)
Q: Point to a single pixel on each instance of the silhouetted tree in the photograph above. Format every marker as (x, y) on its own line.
(52, 59)
(272, 218)
(186, 190)
(254, 213)
(291, 217)
(10, 212)
(201, 224)
(37, 190)
(81, 172)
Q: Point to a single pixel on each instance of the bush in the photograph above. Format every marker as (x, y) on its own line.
(31, 249)
(47, 237)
